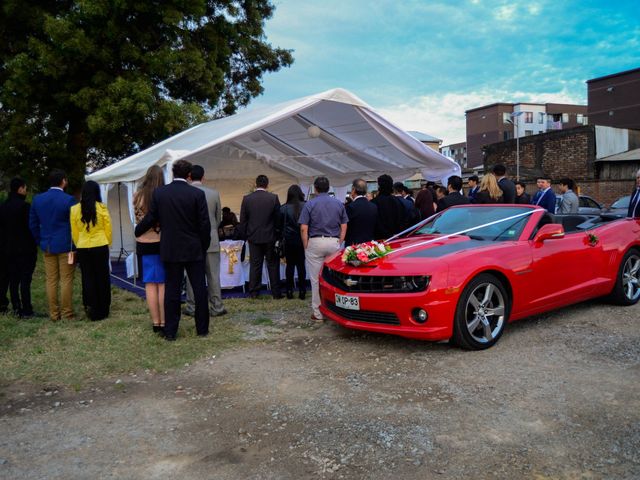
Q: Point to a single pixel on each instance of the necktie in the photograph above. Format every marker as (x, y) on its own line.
(634, 202)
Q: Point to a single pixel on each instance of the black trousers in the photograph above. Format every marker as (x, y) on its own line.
(258, 252)
(172, 290)
(96, 284)
(294, 254)
(20, 270)
(4, 284)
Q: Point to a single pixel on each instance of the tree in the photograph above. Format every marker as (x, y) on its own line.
(92, 81)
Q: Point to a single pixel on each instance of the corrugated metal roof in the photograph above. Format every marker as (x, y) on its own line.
(629, 155)
(424, 137)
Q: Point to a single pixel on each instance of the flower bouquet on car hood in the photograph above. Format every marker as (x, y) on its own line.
(361, 253)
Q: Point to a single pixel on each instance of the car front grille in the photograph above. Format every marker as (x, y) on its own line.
(367, 316)
(375, 284)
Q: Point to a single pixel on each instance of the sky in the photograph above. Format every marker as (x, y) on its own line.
(421, 64)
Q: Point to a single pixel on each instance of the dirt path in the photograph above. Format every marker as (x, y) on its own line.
(556, 398)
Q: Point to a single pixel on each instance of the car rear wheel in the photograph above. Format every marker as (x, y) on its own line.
(482, 313)
(627, 289)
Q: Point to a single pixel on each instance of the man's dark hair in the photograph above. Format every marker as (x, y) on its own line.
(398, 187)
(522, 184)
(262, 181)
(455, 182)
(15, 184)
(544, 177)
(197, 173)
(182, 169)
(385, 184)
(568, 182)
(360, 186)
(474, 178)
(431, 184)
(321, 184)
(226, 210)
(441, 189)
(499, 170)
(56, 177)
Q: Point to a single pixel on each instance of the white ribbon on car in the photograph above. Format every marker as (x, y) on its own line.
(466, 230)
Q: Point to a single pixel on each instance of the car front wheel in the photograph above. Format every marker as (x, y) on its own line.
(482, 313)
(627, 289)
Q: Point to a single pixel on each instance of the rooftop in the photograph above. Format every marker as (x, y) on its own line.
(424, 137)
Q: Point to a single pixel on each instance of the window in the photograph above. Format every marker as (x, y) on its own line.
(453, 151)
(528, 133)
(579, 118)
(541, 117)
(528, 117)
(565, 118)
(506, 135)
(506, 117)
(585, 120)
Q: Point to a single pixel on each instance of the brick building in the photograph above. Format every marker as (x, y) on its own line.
(457, 152)
(614, 100)
(497, 122)
(600, 159)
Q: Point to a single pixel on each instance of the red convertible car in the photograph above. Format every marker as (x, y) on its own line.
(467, 272)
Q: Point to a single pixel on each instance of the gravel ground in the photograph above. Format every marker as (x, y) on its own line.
(557, 397)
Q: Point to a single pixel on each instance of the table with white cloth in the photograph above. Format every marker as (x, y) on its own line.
(234, 272)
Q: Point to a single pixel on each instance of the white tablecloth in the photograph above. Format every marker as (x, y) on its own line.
(240, 270)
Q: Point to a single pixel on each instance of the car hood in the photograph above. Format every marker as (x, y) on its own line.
(414, 254)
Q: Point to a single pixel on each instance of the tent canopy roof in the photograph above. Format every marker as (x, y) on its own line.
(333, 133)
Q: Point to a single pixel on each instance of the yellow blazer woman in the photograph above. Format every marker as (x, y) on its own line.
(98, 235)
(92, 241)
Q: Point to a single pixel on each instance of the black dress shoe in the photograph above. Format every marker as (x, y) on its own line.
(279, 296)
(203, 334)
(169, 338)
(289, 294)
(302, 295)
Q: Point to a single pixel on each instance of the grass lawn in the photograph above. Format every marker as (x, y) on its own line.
(76, 352)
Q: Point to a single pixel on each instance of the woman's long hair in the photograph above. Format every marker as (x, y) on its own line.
(295, 197)
(90, 196)
(490, 184)
(153, 179)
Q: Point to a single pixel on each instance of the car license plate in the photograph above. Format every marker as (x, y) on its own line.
(345, 301)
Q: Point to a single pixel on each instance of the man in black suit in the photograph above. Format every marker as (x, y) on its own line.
(258, 215)
(181, 211)
(634, 203)
(392, 214)
(507, 186)
(362, 214)
(455, 197)
(19, 250)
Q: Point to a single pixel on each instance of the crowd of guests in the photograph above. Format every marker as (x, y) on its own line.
(179, 227)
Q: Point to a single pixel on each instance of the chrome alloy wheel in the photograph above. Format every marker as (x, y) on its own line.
(485, 312)
(631, 278)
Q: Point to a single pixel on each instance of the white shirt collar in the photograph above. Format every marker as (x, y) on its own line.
(198, 182)
(56, 188)
(259, 188)
(180, 180)
(359, 196)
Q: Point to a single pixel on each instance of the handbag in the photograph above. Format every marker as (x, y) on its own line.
(280, 243)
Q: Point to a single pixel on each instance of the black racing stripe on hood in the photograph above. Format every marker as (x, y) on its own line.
(432, 252)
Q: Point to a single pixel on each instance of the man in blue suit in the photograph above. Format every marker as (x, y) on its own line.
(545, 197)
(51, 229)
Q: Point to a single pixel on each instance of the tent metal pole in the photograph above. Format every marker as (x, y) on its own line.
(122, 252)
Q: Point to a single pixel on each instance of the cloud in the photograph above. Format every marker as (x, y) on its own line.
(443, 116)
(505, 13)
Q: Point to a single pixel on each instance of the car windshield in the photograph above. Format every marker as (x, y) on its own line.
(481, 223)
(622, 202)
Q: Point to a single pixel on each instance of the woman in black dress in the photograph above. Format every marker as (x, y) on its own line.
(293, 249)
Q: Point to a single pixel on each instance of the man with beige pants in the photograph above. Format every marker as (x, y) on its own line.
(323, 226)
(51, 229)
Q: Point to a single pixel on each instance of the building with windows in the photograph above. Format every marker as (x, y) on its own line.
(614, 100)
(429, 140)
(503, 121)
(457, 152)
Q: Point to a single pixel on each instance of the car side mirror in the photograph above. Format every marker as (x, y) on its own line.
(550, 231)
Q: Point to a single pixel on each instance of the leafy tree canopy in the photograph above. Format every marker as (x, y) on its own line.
(92, 81)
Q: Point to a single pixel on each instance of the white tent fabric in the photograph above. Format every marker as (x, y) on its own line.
(348, 140)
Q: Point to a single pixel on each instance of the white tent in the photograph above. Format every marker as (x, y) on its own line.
(333, 133)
